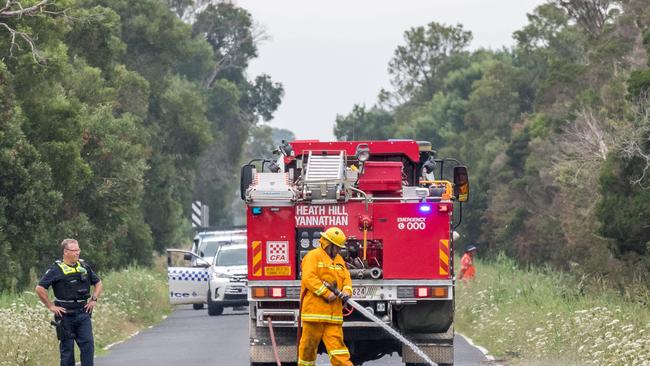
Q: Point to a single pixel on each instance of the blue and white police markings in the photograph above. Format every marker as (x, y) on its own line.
(185, 283)
(188, 274)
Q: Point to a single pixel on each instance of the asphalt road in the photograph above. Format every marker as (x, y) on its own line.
(191, 337)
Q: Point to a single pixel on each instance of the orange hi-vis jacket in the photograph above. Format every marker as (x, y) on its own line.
(467, 266)
(317, 266)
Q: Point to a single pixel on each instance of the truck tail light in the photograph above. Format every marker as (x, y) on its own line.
(439, 292)
(436, 292)
(259, 292)
(266, 292)
(421, 292)
(277, 292)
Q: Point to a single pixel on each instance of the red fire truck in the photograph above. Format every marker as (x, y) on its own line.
(396, 209)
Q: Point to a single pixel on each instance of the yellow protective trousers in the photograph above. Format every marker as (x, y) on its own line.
(332, 337)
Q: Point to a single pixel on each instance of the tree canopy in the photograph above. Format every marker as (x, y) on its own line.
(554, 131)
(108, 123)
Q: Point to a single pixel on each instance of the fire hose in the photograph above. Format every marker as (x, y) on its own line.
(275, 346)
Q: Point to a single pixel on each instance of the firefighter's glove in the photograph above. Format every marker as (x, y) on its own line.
(344, 297)
(330, 297)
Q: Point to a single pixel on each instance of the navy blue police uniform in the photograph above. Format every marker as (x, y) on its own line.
(71, 286)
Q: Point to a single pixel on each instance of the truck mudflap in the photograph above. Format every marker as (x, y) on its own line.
(425, 317)
(438, 346)
(438, 353)
(264, 353)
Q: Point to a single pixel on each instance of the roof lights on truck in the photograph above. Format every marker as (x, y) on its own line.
(425, 208)
(362, 152)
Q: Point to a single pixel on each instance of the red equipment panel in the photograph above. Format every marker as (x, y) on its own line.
(271, 243)
(377, 148)
(381, 176)
(415, 238)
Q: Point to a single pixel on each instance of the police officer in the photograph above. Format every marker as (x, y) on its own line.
(73, 305)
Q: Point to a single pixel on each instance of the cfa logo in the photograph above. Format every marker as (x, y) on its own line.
(277, 252)
(278, 258)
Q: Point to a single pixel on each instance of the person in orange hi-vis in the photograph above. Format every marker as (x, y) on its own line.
(321, 311)
(467, 270)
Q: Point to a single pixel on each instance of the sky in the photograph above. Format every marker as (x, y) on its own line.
(330, 55)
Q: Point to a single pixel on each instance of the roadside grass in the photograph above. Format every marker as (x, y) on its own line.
(132, 299)
(542, 317)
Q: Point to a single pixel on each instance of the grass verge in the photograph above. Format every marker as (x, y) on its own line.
(132, 299)
(541, 317)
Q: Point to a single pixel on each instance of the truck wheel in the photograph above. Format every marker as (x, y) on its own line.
(197, 306)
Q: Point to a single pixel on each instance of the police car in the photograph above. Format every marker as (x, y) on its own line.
(189, 275)
(227, 285)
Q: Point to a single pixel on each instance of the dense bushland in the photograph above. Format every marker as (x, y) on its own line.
(555, 131)
(119, 116)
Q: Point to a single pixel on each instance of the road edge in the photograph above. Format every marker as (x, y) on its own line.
(109, 346)
(482, 349)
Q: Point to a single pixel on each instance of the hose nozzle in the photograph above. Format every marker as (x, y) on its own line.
(341, 295)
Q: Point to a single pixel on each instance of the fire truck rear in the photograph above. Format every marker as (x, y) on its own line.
(396, 209)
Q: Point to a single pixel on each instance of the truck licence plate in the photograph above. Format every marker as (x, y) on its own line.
(359, 292)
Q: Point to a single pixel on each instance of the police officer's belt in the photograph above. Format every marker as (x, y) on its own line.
(71, 301)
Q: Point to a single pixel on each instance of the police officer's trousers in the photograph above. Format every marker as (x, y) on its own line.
(332, 337)
(79, 325)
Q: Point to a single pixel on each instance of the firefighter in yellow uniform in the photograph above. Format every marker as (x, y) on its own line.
(321, 310)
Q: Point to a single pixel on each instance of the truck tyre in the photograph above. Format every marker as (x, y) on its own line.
(214, 308)
(197, 306)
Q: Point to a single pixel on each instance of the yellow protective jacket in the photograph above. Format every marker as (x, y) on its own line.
(317, 266)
